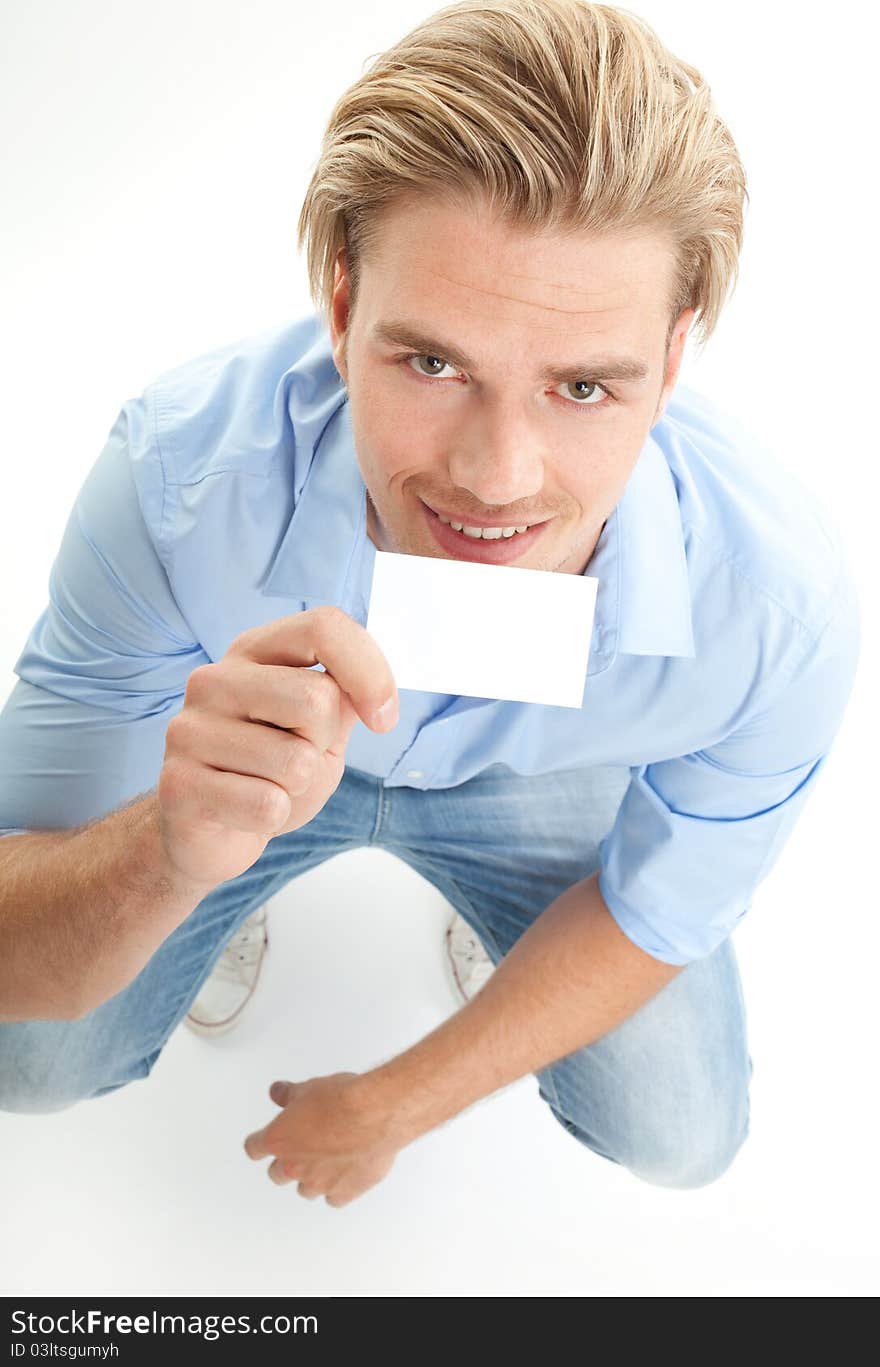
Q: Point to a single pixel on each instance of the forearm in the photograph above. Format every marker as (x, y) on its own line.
(82, 911)
(568, 980)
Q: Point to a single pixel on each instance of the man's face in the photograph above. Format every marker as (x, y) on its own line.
(493, 439)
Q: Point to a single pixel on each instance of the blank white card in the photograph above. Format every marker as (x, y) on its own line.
(484, 631)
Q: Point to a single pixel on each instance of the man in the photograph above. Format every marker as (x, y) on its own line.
(518, 213)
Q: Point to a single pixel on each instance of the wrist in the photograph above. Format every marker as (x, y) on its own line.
(386, 1107)
(153, 863)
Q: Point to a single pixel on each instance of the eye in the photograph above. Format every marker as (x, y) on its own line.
(426, 356)
(586, 390)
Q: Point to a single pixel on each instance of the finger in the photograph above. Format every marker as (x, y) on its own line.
(281, 1092)
(310, 705)
(331, 637)
(277, 1173)
(259, 1144)
(253, 747)
(345, 1192)
(310, 1193)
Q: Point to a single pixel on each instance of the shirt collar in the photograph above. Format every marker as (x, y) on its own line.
(643, 604)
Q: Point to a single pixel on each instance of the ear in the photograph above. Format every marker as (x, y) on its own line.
(674, 360)
(339, 312)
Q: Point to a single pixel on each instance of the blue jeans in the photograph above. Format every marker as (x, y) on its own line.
(665, 1093)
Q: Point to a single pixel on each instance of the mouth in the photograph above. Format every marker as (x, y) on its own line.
(499, 549)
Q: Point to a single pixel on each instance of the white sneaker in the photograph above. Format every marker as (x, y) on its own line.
(469, 964)
(232, 983)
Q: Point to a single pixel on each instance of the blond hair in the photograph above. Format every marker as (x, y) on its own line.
(563, 115)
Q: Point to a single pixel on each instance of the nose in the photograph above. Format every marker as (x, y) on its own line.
(499, 459)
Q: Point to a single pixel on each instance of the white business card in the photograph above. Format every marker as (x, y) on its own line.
(484, 631)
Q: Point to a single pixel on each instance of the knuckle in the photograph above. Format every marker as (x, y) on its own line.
(240, 643)
(180, 729)
(331, 619)
(198, 683)
(173, 733)
(271, 804)
(298, 765)
(313, 692)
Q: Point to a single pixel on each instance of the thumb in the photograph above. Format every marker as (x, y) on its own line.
(281, 1092)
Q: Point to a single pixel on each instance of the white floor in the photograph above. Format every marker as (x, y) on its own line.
(147, 1191)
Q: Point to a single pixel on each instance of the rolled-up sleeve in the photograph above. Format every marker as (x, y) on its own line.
(105, 665)
(695, 835)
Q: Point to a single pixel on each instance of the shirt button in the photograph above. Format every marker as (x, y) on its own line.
(415, 773)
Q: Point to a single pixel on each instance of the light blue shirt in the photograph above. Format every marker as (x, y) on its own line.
(726, 632)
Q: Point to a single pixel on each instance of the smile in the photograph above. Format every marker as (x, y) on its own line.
(488, 545)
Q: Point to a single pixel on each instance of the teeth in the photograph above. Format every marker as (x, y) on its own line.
(483, 533)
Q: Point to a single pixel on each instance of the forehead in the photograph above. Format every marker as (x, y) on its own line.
(429, 254)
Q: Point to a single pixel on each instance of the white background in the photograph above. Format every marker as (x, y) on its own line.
(154, 161)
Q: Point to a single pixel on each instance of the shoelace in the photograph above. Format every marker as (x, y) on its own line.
(473, 950)
(243, 950)
(477, 965)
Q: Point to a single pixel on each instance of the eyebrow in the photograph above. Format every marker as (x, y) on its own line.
(625, 368)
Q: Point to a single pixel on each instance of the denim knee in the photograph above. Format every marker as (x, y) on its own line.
(699, 1167)
(32, 1101)
(684, 1167)
(38, 1086)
